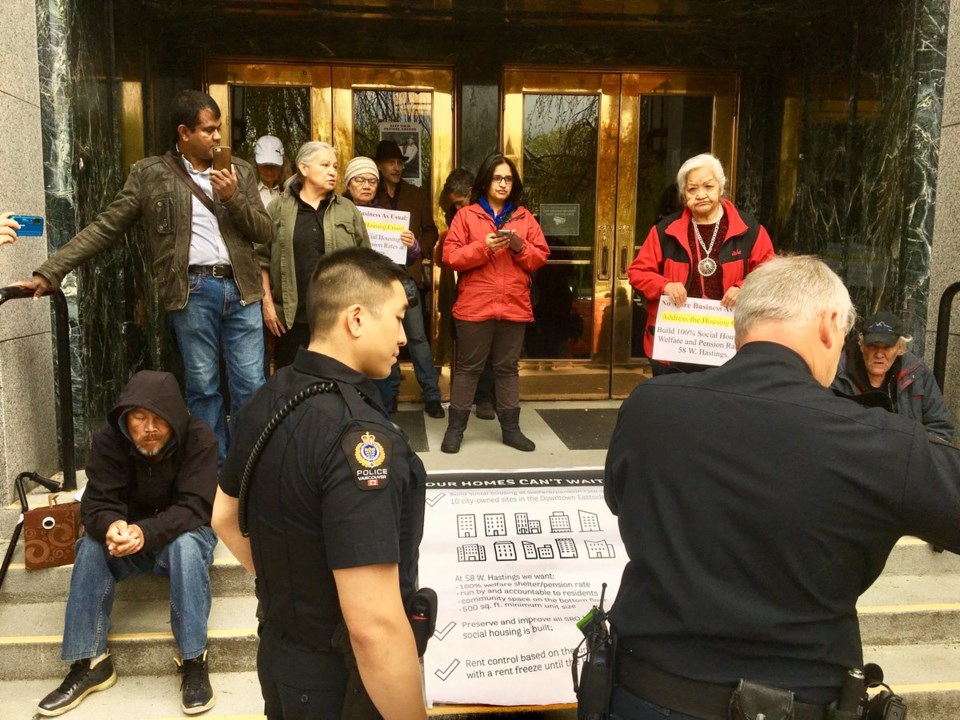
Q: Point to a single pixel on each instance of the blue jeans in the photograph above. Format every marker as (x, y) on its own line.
(185, 561)
(627, 706)
(214, 322)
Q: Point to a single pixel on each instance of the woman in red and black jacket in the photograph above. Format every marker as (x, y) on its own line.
(495, 244)
(705, 251)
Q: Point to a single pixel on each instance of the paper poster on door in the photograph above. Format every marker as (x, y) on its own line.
(407, 136)
(516, 558)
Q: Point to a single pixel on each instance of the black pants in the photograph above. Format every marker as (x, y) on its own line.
(625, 705)
(285, 350)
(298, 682)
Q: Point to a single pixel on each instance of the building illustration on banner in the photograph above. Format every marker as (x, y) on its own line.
(504, 550)
(560, 522)
(589, 521)
(471, 552)
(466, 526)
(495, 524)
(526, 526)
(599, 550)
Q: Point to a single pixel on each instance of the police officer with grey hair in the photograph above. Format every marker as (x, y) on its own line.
(756, 507)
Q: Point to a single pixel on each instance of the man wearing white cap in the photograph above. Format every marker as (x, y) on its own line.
(268, 157)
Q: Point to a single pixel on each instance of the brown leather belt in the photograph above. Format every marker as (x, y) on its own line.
(691, 697)
(217, 271)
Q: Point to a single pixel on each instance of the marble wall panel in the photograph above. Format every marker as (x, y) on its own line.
(22, 193)
(18, 38)
(27, 406)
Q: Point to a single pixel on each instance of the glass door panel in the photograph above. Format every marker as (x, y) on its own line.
(280, 111)
(560, 185)
(561, 129)
(345, 105)
(597, 153)
(410, 123)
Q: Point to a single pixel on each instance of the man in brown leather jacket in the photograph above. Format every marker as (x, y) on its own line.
(200, 226)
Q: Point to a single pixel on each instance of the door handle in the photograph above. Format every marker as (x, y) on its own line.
(604, 273)
(625, 241)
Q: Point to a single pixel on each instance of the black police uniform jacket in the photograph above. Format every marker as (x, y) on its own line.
(755, 507)
(336, 487)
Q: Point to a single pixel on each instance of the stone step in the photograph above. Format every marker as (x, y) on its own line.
(911, 557)
(927, 676)
(140, 639)
(914, 610)
(227, 579)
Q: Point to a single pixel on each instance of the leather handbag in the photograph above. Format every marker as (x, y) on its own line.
(50, 533)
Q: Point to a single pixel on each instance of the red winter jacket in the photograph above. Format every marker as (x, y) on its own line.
(665, 257)
(493, 286)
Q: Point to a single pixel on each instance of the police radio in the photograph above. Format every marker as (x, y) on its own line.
(597, 651)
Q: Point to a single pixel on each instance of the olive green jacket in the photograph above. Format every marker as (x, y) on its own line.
(342, 227)
(155, 195)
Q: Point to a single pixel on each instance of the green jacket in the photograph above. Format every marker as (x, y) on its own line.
(342, 227)
(156, 196)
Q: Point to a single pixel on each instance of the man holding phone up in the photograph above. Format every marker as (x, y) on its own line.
(201, 216)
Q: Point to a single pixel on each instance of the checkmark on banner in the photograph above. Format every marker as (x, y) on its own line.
(433, 500)
(444, 674)
(441, 634)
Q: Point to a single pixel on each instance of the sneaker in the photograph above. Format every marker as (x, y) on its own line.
(195, 691)
(80, 682)
(434, 409)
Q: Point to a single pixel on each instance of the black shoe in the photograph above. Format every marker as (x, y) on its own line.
(434, 409)
(485, 410)
(80, 682)
(195, 691)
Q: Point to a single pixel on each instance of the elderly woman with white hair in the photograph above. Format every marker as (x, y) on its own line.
(704, 251)
(310, 220)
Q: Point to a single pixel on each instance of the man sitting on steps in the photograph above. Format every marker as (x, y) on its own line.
(151, 479)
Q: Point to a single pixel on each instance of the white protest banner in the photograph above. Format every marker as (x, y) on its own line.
(699, 331)
(517, 558)
(384, 227)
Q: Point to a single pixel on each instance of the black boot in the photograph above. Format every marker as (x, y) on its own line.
(510, 425)
(195, 691)
(80, 682)
(455, 427)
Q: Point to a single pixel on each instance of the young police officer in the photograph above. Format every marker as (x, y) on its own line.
(335, 504)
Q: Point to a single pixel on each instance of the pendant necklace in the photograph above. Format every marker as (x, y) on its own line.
(707, 266)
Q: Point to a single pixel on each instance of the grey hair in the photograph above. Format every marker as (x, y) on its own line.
(309, 149)
(793, 290)
(704, 160)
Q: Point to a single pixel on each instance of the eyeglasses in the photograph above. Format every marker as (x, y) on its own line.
(502, 179)
(364, 180)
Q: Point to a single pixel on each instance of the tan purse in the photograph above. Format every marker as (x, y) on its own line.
(50, 533)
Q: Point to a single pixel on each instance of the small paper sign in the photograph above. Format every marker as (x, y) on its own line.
(699, 331)
(384, 227)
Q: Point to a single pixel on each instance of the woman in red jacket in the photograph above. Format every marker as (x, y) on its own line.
(706, 251)
(494, 244)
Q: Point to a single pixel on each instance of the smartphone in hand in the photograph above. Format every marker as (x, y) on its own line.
(515, 240)
(222, 157)
(30, 225)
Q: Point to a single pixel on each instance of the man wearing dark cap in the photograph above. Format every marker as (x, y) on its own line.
(876, 369)
(397, 194)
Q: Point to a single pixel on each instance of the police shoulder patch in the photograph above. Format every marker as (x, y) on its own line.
(367, 453)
